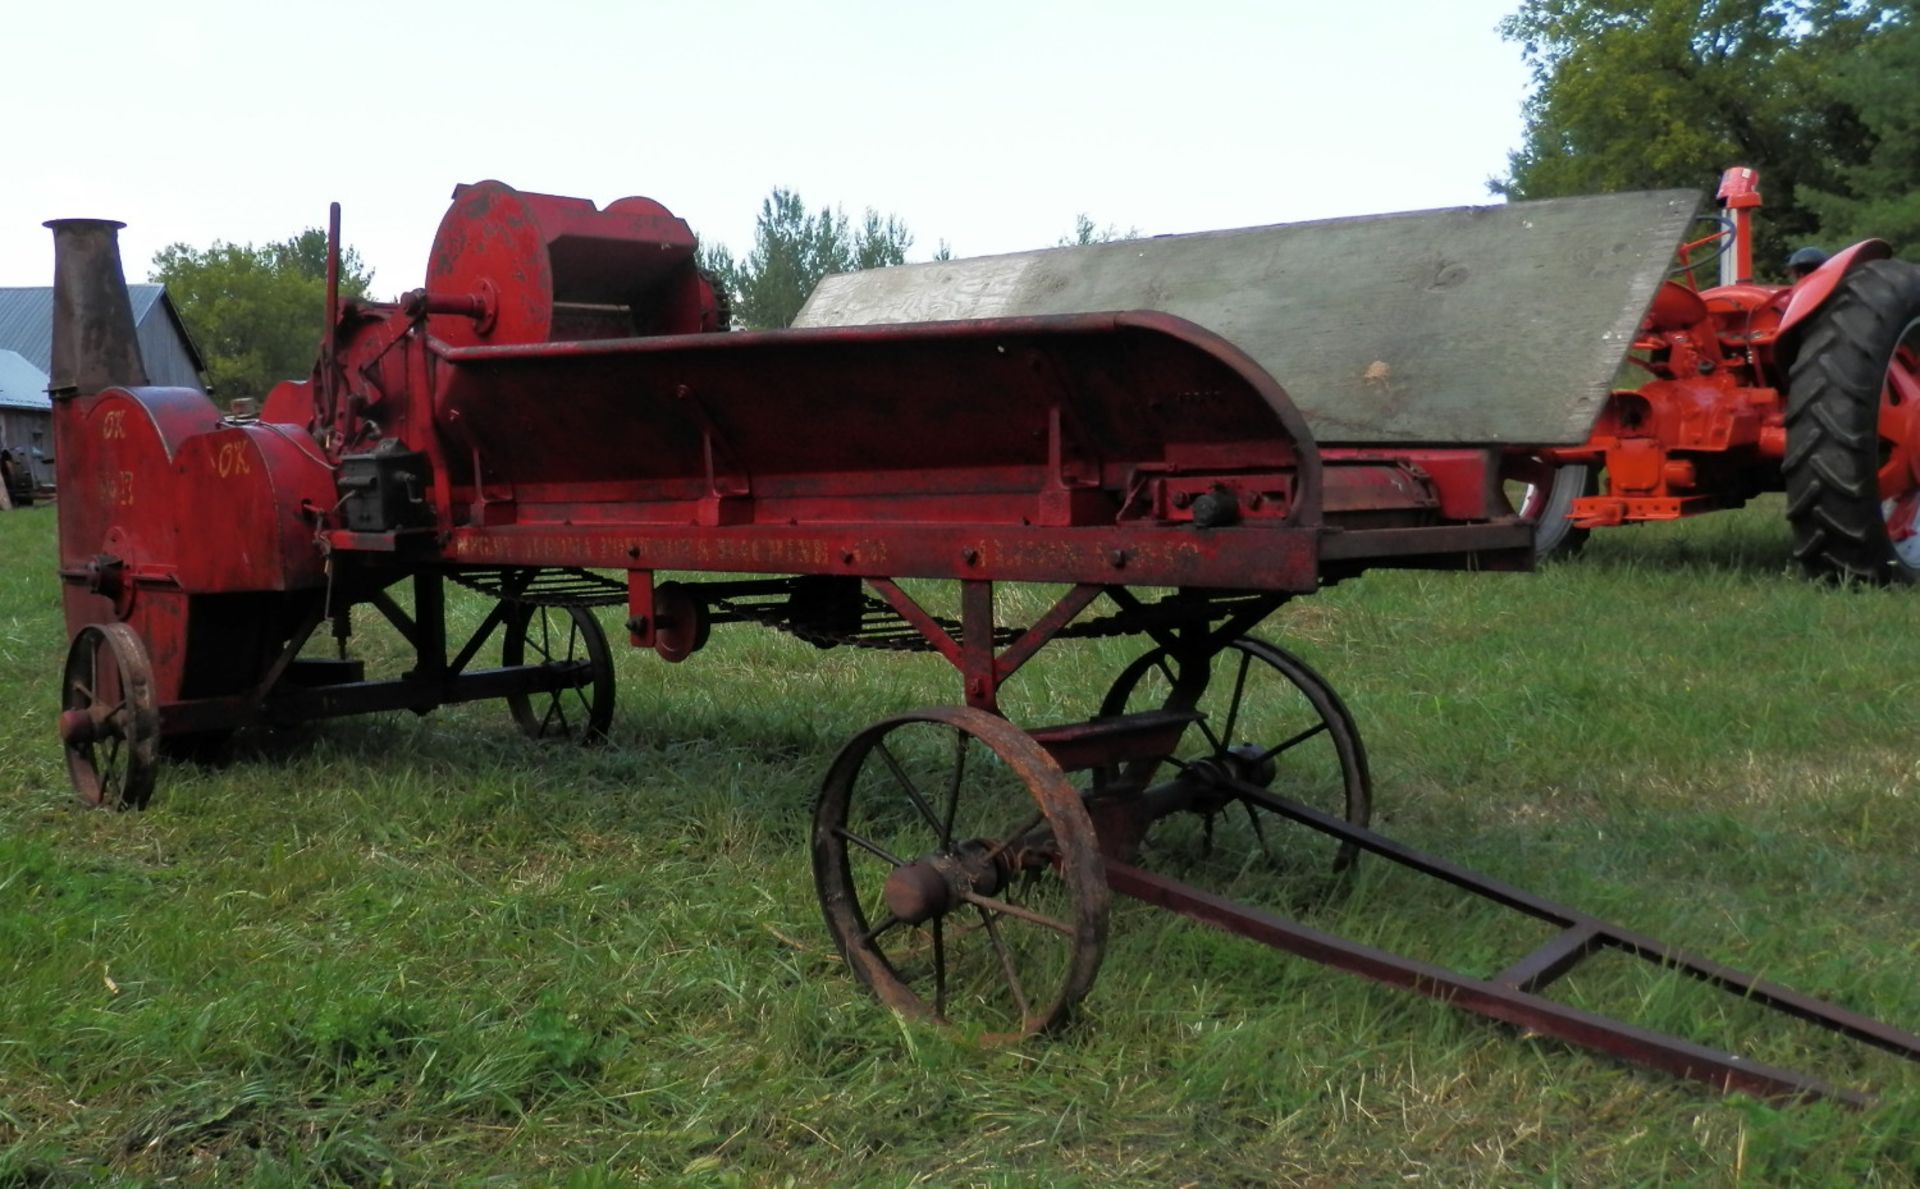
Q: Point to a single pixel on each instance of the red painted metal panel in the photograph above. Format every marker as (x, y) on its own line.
(1817, 286)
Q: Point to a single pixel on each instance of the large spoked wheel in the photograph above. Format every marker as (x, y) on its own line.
(1270, 721)
(570, 638)
(109, 719)
(1543, 495)
(1853, 430)
(959, 873)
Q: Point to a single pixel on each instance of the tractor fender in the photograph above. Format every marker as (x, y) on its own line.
(1813, 290)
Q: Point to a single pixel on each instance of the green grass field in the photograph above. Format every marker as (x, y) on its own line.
(429, 951)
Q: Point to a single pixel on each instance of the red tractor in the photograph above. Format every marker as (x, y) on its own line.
(1807, 387)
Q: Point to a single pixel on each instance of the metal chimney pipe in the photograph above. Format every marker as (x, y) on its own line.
(95, 345)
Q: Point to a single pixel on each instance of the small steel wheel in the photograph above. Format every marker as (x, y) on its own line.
(565, 637)
(959, 873)
(1271, 721)
(109, 719)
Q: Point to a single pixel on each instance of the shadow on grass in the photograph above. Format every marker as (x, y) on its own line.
(1743, 544)
(394, 741)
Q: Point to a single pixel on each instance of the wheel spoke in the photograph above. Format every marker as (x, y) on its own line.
(873, 848)
(1212, 739)
(953, 786)
(871, 934)
(1899, 408)
(1291, 743)
(999, 847)
(1259, 831)
(1239, 691)
(913, 794)
(1895, 477)
(1006, 964)
(1905, 383)
(1896, 416)
(1018, 912)
(573, 635)
(534, 644)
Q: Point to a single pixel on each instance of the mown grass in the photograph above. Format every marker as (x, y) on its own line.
(428, 951)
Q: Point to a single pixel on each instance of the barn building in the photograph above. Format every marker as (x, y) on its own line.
(26, 428)
(26, 356)
(26, 326)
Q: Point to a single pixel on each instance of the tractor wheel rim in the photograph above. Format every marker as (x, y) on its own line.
(1899, 476)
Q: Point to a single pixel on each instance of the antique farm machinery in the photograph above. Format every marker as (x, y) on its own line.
(1808, 387)
(551, 422)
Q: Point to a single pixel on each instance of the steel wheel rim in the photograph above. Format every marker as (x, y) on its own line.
(1899, 470)
(982, 968)
(582, 711)
(1307, 714)
(107, 680)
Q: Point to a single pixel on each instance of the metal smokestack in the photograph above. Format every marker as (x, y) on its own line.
(94, 340)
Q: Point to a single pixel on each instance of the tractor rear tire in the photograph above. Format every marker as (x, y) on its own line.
(1835, 450)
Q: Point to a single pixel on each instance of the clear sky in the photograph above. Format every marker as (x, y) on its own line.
(987, 124)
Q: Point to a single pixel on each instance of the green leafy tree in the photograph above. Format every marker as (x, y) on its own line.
(1632, 94)
(256, 313)
(793, 249)
(1880, 195)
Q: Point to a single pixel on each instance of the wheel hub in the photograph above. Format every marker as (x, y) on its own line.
(1246, 764)
(932, 887)
(81, 727)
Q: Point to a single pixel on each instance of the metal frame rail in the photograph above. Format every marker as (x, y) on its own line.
(1512, 996)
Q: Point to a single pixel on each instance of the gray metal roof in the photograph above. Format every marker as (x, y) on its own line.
(26, 319)
(22, 385)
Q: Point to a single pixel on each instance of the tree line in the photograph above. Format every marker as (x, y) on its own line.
(1822, 96)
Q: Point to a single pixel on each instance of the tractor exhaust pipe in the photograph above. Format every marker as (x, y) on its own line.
(95, 345)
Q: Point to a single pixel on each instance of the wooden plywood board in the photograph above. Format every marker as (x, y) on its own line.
(1498, 324)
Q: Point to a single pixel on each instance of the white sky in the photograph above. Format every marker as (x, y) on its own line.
(988, 124)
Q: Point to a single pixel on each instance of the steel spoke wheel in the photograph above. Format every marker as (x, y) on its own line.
(959, 873)
(1897, 479)
(561, 637)
(1271, 721)
(109, 720)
